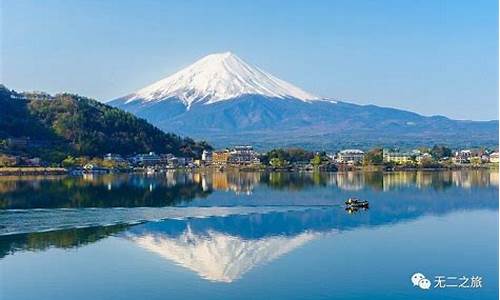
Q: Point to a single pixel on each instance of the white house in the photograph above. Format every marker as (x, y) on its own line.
(350, 156)
(494, 157)
(206, 156)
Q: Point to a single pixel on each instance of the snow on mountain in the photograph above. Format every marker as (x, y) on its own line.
(221, 257)
(219, 77)
(253, 106)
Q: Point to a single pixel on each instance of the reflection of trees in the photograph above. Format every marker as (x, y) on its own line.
(440, 180)
(294, 181)
(392, 208)
(374, 180)
(353, 181)
(7, 186)
(105, 191)
(68, 238)
(10, 183)
(174, 187)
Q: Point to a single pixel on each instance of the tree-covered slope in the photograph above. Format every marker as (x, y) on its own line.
(82, 126)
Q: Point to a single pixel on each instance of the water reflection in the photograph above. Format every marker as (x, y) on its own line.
(237, 182)
(222, 244)
(216, 251)
(174, 188)
(97, 191)
(223, 227)
(64, 239)
(224, 248)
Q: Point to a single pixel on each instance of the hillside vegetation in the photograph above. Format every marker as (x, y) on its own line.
(70, 124)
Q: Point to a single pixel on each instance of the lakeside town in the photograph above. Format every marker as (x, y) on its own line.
(245, 157)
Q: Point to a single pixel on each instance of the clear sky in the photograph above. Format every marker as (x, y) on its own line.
(431, 57)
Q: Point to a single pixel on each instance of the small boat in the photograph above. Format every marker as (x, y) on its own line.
(356, 203)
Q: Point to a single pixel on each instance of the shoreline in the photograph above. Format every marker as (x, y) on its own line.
(46, 171)
(21, 171)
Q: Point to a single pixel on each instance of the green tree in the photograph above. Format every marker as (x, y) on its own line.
(277, 163)
(374, 157)
(427, 163)
(67, 124)
(439, 152)
(69, 161)
(316, 161)
(291, 155)
(475, 160)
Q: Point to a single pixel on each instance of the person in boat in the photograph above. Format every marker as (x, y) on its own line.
(351, 200)
(355, 202)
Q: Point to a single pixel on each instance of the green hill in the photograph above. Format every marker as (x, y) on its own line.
(67, 124)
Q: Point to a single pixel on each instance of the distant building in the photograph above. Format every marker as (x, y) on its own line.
(165, 158)
(220, 157)
(462, 157)
(89, 166)
(178, 162)
(113, 157)
(174, 162)
(189, 161)
(243, 155)
(239, 155)
(206, 156)
(350, 156)
(423, 157)
(34, 162)
(9, 160)
(92, 168)
(396, 157)
(332, 156)
(416, 152)
(494, 157)
(149, 159)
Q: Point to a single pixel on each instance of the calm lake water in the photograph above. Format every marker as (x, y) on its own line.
(249, 236)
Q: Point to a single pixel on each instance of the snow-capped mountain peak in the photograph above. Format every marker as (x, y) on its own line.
(218, 77)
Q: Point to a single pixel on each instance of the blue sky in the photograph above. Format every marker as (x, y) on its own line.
(431, 57)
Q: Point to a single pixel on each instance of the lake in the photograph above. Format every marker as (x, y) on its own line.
(243, 235)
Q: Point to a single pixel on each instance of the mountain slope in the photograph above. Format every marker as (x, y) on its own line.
(217, 77)
(225, 100)
(77, 125)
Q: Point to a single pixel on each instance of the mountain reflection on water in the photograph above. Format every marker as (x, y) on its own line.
(223, 249)
(222, 225)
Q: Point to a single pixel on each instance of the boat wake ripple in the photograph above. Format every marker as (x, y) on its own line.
(16, 221)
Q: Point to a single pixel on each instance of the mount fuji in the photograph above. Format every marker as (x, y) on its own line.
(227, 101)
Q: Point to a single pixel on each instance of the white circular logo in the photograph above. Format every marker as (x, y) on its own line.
(418, 279)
